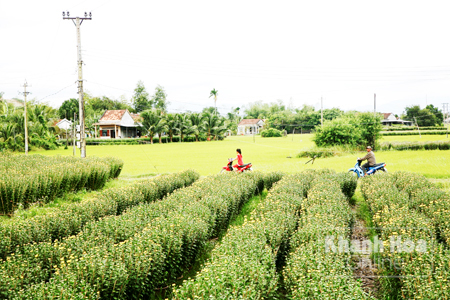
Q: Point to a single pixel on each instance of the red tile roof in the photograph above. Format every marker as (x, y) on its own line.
(386, 115)
(249, 121)
(113, 115)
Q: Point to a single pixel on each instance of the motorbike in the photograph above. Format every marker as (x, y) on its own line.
(372, 170)
(239, 169)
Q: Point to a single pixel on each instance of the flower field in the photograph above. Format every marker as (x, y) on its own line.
(252, 258)
(411, 217)
(70, 219)
(127, 256)
(297, 243)
(27, 179)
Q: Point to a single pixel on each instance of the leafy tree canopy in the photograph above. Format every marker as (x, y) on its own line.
(141, 100)
(68, 108)
(429, 116)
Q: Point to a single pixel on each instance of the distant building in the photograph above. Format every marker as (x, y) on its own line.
(390, 119)
(14, 102)
(64, 124)
(250, 126)
(118, 124)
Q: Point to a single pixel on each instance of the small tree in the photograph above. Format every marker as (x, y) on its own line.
(369, 128)
(159, 99)
(68, 108)
(141, 99)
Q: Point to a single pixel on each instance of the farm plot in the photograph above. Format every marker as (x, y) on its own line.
(267, 257)
(70, 218)
(27, 179)
(128, 256)
(411, 217)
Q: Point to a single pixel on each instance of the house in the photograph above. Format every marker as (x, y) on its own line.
(390, 119)
(64, 124)
(117, 124)
(250, 126)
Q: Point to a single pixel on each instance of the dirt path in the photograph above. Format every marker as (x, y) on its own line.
(365, 270)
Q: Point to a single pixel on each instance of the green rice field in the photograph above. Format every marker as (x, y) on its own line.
(267, 154)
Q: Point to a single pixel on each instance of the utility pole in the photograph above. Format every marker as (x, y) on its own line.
(417, 127)
(74, 126)
(77, 21)
(321, 111)
(374, 105)
(25, 93)
(446, 114)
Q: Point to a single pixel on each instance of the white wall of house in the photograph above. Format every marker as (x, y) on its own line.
(64, 124)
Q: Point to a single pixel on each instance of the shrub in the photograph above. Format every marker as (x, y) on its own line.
(361, 129)
(271, 132)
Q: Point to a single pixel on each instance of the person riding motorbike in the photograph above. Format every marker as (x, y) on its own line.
(238, 158)
(370, 157)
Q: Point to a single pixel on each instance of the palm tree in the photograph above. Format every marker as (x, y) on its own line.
(172, 125)
(153, 122)
(214, 125)
(184, 125)
(214, 93)
(197, 124)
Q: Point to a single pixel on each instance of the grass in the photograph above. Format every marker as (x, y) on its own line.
(265, 154)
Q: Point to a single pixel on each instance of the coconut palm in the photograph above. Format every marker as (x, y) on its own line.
(184, 125)
(214, 93)
(153, 122)
(214, 125)
(172, 125)
(197, 124)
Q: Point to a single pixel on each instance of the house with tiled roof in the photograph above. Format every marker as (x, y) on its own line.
(117, 124)
(390, 119)
(250, 126)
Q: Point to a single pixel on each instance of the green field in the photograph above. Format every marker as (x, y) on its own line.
(264, 153)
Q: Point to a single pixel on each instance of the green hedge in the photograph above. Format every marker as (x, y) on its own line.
(27, 179)
(71, 218)
(431, 145)
(440, 132)
(413, 128)
(148, 246)
(138, 141)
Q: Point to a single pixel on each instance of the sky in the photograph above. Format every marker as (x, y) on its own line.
(343, 52)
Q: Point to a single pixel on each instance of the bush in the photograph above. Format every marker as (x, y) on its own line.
(361, 129)
(271, 132)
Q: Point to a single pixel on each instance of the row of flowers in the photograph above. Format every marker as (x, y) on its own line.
(319, 265)
(412, 261)
(28, 179)
(128, 256)
(70, 218)
(427, 199)
(249, 261)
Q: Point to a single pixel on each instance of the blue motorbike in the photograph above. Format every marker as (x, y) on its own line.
(372, 170)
